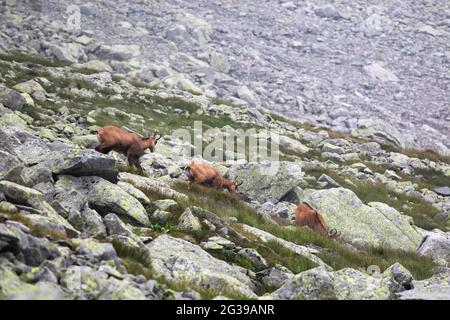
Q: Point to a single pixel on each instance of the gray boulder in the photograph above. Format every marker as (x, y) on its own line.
(106, 197)
(94, 249)
(152, 185)
(380, 131)
(35, 199)
(345, 284)
(434, 288)
(188, 222)
(11, 98)
(437, 246)
(12, 288)
(267, 181)
(179, 261)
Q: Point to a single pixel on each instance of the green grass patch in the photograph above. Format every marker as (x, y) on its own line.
(22, 57)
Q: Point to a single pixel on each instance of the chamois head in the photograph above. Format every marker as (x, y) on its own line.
(150, 142)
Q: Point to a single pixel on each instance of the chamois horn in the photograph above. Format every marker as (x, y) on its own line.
(157, 136)
(238, 183)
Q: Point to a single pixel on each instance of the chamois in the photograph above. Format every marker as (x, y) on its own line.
(203, 174)
(129, 143)
(306, 216)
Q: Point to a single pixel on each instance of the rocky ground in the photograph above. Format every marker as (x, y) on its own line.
(77, 224)
(353, 66)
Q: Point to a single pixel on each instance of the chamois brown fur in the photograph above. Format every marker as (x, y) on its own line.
(306, 216)
(129, 143)
(203, 174)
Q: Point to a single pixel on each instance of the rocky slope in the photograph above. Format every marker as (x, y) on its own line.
(77, 224)
(354, 66)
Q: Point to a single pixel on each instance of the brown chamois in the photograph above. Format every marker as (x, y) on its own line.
(128, 143)
(203, 174)
(306, 216)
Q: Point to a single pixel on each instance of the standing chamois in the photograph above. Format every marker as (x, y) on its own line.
(203, 174)
(306, 216)
(129, 143)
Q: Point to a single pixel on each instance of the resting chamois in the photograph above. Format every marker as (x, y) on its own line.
(203, 174)
(306, 216)
(128, 143)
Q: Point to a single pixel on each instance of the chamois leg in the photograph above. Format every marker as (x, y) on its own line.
(133, 161)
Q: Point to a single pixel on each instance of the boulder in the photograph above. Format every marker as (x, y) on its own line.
(81, 162)
(94, 250)
(135, 192)
(380, 131)
(26, 196)
(437, 246)
(179, 261)
(292, 145)
(188, 222)
(152, 185)
(117, 52)
(377, 72)
(267, 181)
(33, 251)
(11, 98)
(30, 87)
(434, 288)
(11, 168)
(106, 197)
(68, 52)
(442, 191)
(345, 284)
(90, 283)
(375, 224)
(12, 288)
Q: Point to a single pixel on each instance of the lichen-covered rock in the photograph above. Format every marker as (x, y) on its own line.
(135, 192)
(166, 204)
(81, 162)
(293, 145)
(11, 98)
(94, 249)
(117, 228)
(27, 196)
(398, 277)
(83, 282)
(436, 245)
(179, 261)
(267, 181)
(258, 261)
(11, 168)
(12, 288)
(188, 222)
(161, 216)
(298, 249)
(375, 224)
(275, 277)
(106, 197)
(434, 288)
(152, 185)
(380, 131)
(16, 238)
(345, 284)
